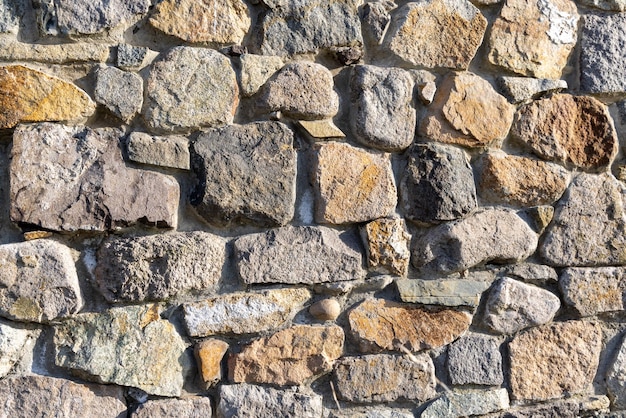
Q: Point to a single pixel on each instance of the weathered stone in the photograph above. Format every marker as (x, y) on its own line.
(611, 5)
(372, 284)
(130, 346)
(196, 407)
(539, 217)
(568, 408)
(119, 91)
(10, 11)
(205, 21)
(568, 129)
(242, 313)
(468, 402)
(209, 354)
(321, 129)
(28, 95)
(594, 290)
(534, 38)
(246, 173)
(170, 151)
(532, 272)
(256, 70)
(292, 356)
(70, 179)
(382, 115)
(130, 56)
(250, 401)
(376, 20)
(436, 33)
(352, 184)
(446, 292)
(387, 245)
(475, 360)
(370, 411)
(520, 89)
(378, 324)
(11, 50)
(13, 341)
(325, 310)
(190, 88)
(438, 184)
(385, 378)
(615, 378)
(467, 111)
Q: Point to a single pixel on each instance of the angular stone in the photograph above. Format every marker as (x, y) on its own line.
(209, 354)
(246, 173)
(468, 402)
(534, 38)
(385, 378)
(376, 20)
(325, 309)
(256, 70)
(170, 151)
(130, 56)
(13, 342)
(615, 378)
(130, 346)
(28, 95)
(321, 129)
(446, 292)
(520, 89)
(532, 272)
(190, 88)
(352, 185)
(594, 290)
(553, 360)
(195, 407)
(250, 400)
(387, 245)
(475, 360)
(11, 50)
(119, 91)
(292, 356)
(71, 179)
(438, 184)
(436, 33)
(611, 5)
(378, 324)
(467, 111)
(243, 313)
(10, 12)
(382, 115)
(539, 217)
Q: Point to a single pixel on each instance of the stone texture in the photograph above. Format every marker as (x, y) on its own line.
(376, 20)
(594, 290)
(209, 354)
(169, 151)
(467, 111)
(196, 407)
(438, 184)
(321, 129)
(292, 356)
(190, 88)
(475, 359)
(378, 324)
(130, 346)
(256, 70)
(469, 402)
(352, 184)
(539, 217)
(10, 11)
(257, 401)
(611, 5)
(520, 89)
(532, 272)
(436, 33)
(119, 91)
(130, 56)
(382, 115)
(371, 411)
(386, 243)
(325, 309)
(28, 95)
(446, 292)
(70, 179)
(11, 50)
(385, 378)
(13, 343)
(534, 38)
(615, 378)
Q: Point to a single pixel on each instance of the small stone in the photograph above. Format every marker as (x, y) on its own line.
(594, 290)
(256, 70)
(119, 91)
(66, 53)
(376, 20)
(170, 151)
(387, 245)
(446, 292)
(347, 55)
(520, 89)
(539, 217)
(321, 129)
(610, 5)
(475, 360)
(13, 342)
(258, 401)
(10, 12)
(130, 56)
(209, 354)
(195, 407)
(615, 378)
(467, 402)
(532, 272)
(427, 92)
(325, 310)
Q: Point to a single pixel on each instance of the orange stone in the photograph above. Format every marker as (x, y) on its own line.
(209, 354)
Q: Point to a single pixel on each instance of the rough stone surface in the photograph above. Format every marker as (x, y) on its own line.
(12, 344)
(325, 309)
(250, 401)
(611, 5)
(446, 292)
(130, 56)
(549, 361)
(11, 50)
(594, 290)
(468, 402)
(119, 91)
(170, 151)
(387, 245)
(532, 272)
(246, 173)
(321, 129)
(376, 20)
(256, 70)
(289, 357)
(370, 411)
(196, 407)
(10, 11)
(520, 89)
(615, 378)
(475, 360)
(209, 354)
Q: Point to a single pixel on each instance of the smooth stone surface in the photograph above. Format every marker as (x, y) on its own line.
(325, 310)
(11, 50)
(520, 89)
(386, 243)
(468, 402)
(249, 401)
(209, 354)
(163, 151)
(475, 359)
(13, 345)
(256, 70)
(615, 378)
(445, 292)
(321, 129)
(119, 91)
(594, 290)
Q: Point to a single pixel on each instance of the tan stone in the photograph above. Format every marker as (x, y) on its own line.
(256, 70)
(321, 129)
(28, 95)
(209, 354)
(53, 54)
(325, 309)
(387, 245)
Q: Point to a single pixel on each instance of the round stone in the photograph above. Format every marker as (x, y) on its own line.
(325, 309)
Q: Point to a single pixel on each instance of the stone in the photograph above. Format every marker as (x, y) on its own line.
(190, 88)
(553, 360)
(157, 267)
(321, 129)
(28, 95)
(246, 173)
(371, 411)
(347, 55)
(610, 5)
(205, 21)
(292, 356)
(532, 272)
(491, 235)
(352, 184)
(38, 281)
(119, 91)
(11, 50)
(381, 111)
(376, 20)
(243, 313)
(130, 56)
(378, 324)
(475, 359)
(467, 111)
(163, 151)
(209, 354)
(539, 217)
(194, 407)
(250, 400)
(10, 12)
(446, 292)
(437, 184)
(534, 38)
(74, 178)
(594, 290)
(301, 90)
(436, 33)
(325, 310)
(13, 345)
(615, 378)
(256, 70)
(568, 129)
(385, 378)
(521, 89)
(560, 409)
(467, 402)
(386, 243)
(129, 346)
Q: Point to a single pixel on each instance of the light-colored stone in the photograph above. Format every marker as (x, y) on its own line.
(13, 342)
(196, 407)
(258, 401)
(615, 378)
(468, 402)
(321, 129)
(475, 359)
(612, 5)
(376, 20)
(539, 217)
(11, 50)
(387, 245)
(119, 91)
(520, 89)
(10, 12)
(532, 272)
(369, 411)
(256, 70)
(325, 309)
(163, 151)
(594, 290)
(209, 354)
(445, 292)
(130, 56)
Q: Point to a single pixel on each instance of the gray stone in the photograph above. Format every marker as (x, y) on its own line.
(10, 12)
(376, 19)
(13, 343)
(520, 89)
(12, 50)
(381, 109)
(256, 70)
(594, 290)
(532, 272)
(246, 173)
(610, 5)
(445, 292)
(371, 411)
(163, 151)
(250, 401)
(119, 91)
(573, 407)
(615, 378)
(196, 407)
(130, 56)
(475, 359)
(467, 402)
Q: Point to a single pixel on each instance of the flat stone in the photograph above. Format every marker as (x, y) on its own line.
(209, 354)
(534, 38)
(256, 70)
(446, 292)
(436, 33)
(130, 56)
(387, 245)
(594, 290)
(568, 408)
(13, 343)
(610, 5)
(292, 356)
(71, 179)
(325, 310)
(615, 378)
(129, 346)
(246, 173)
(532, 272)
(352, 184)
(28, 95)
(378, 324)
(195, 407)
(190, 88)
(385, 378)
(119, 91)
(243, 313)
(438, 184)
(382, 115)
(467, 111)
(475, 359)
(163, 151)
(321, 129)
(467, 402)
(10, 12)
(520, 89)
(370, 411)
(250, 400)
(11, 50)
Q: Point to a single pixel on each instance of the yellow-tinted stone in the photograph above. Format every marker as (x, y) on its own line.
(209, 354)
(321, 129)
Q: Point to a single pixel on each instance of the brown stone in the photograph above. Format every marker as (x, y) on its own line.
(325, 309)
(387, 245)
(209, 354)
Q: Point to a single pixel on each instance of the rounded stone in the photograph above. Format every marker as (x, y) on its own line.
(325, 310)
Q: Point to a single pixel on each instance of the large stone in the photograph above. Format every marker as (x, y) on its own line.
(352, 184)
(520, 89)
(292, 356)
(119, 91)
(534, 38)
(157, 267)
(553, 360)
(256, 70)
(190, 88)
(468, 402)
(385, 378)
(446, 292)
(170, 151)
(387, 245)
(209, 354)
(257, 401)
(70, 179)
(246, 173)
(615, 378)
(436, 33)
(10, 12)
(11, 50)
(13, 345)
(475, 360)
(196, 407)
(594, 290)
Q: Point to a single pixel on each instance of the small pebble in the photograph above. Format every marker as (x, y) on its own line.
(325, 310)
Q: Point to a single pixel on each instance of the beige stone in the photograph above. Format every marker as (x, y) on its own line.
(209, 354)
(53, 54)
(321, 129)
(325, 309)
(256, 70)
(387, 245)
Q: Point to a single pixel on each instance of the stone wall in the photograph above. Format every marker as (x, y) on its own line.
(312, 208)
